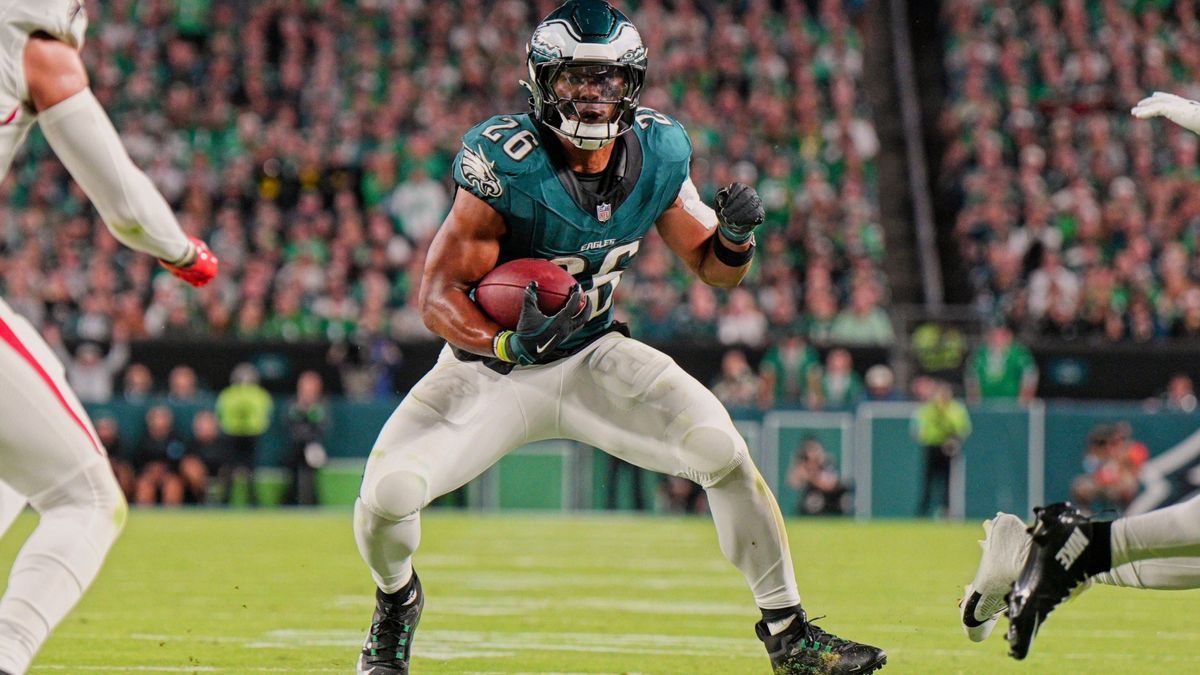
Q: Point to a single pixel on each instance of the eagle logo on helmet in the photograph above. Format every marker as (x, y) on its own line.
(478, 171)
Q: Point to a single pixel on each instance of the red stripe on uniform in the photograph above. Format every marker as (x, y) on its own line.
(7, 335)
(11, 116)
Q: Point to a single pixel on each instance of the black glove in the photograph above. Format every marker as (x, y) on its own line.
(739, 211)
(537, 335)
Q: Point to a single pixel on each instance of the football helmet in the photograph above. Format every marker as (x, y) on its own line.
(587, 65)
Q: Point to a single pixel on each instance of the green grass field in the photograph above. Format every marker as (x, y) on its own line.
(220, 592)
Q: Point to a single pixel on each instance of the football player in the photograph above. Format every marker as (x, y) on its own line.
(50, 456)
(579, 181)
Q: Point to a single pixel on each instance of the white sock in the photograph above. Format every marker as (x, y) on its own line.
(387, 546)
(80, 520)
(752, 536)
(777, 627)
(1164, 574)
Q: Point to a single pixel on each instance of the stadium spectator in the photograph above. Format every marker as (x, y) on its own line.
(110, 437)
(90, 371)
(157, 461)
(841, 387)
(211, 450)
(939, 425)
(244, 414)
(1180, 395)
(1111, 463)
(741, 322)
(939, 350)
(736, 387)
(813, 475)
(308, 422)
(881, 383)
(863, 322)
(789, 374)
(1001, 370)
(139, 384)
(183, 389)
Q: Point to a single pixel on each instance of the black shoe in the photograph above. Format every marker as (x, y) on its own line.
(1055, 565)
(804, 648)
(389, 644)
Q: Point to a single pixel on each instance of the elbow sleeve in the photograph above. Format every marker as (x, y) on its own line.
(135, 212)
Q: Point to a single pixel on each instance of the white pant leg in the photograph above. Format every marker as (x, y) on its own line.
(634, 402)
(48, 451)
(1170, 532)
(45, 433)
(460, 419)
(11, 505)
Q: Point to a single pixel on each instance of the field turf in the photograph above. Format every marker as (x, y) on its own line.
(285, 592)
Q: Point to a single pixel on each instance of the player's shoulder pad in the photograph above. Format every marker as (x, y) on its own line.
(483, 166)
(663, 135)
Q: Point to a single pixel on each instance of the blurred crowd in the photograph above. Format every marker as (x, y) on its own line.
(310, 143)
(1076, 220)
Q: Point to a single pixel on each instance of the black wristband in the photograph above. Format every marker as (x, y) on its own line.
(731, 257)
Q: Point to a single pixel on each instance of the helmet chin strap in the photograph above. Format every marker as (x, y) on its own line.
(589, 136)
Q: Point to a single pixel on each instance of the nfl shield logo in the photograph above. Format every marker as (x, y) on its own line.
(604, 212)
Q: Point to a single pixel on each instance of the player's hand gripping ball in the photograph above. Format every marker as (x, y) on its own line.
(538, 303)
(501, 292)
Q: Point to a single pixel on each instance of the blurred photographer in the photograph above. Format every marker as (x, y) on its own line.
(307, 422)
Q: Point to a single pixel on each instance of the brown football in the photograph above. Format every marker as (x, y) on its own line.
(501, 292)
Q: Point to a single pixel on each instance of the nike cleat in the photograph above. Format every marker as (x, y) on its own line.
(1005, 545)
(389, 644)
(1054, 567)
(803, 648)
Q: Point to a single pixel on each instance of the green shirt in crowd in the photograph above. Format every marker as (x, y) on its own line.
(791, 369)
(244, 410)
(1001, 374)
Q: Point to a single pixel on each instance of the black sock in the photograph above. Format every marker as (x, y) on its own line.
(770, 615)
(1097, 557)
(400, 596)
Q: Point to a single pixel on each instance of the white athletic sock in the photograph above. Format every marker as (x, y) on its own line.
(777, 627)
(387, 546)
(80, 520)
(11, 505)
(752, 536)
(1172, 532)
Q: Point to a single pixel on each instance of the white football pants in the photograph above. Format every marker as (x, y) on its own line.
(50, 457)
(616, 394)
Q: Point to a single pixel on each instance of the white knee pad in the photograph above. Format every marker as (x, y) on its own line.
(395, 495)
(711, 452)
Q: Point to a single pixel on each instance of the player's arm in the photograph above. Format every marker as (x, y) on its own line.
(1181, 111)
(717, 245)
(84, 139)
(465, 248)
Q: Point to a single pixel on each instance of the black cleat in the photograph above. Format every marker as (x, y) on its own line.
(1055, 565)
(389, 643)
(804, 649)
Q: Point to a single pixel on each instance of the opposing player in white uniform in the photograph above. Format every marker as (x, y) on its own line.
(579, 181)
(50, 457)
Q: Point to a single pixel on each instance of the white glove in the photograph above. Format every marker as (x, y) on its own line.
(1179, 110)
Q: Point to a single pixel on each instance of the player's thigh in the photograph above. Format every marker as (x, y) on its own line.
(635, 402)
(45, 434)
(458, 420)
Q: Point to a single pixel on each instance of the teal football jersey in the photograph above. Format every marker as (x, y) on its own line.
(504, 162)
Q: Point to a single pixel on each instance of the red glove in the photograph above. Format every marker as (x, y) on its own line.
(197, 267)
